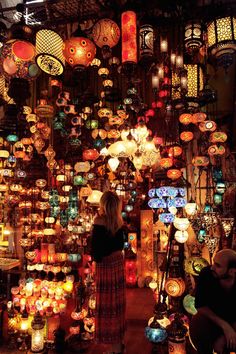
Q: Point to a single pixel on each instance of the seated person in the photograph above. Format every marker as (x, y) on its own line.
(214, 325)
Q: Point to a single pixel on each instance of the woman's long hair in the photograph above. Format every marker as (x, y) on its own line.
(110, 209)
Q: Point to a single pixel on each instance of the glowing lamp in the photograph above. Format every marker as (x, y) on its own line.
(37, 339)
(216, 150)
(174, 173)
(166, 162)
(189, 304)
(146, 41)
(106, 34)
(181, 236)
(207, 126)
(79, 52)
(113, 163)
(190, 208)
(49, 56)
(155, 333)
(193, 265)
(200, 161)
(221, 35)
(194, 79)
(186, 136)
(185, 118)
(90, 154)
(166, 218)
(128, 37)
(94, 197)
(175, 150)
(218, 198)
(218, 137)
(18, 60)
(181, 223)
(193, 37)
(175, 287)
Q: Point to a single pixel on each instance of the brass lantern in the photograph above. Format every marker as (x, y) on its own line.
(146, 41)
(193, 37)
(194, 79)
(221, 34)
(37, 341)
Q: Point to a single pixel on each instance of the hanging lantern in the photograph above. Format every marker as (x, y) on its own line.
(106, 35)
(18, 60)
(49, 56)
(79, 52)
(193, 37)
(129, 33)
(90, 154)
(166, 162)
(198, 117)
(190, 208)
(189, 304)
(146, 41)
(181, 236)
(113, 163)
(37, 339)
(193, 265)
(94, 197)
(207, 126)
(186, 136)
(218, 137)
(200, 161)
(181, 223)
(175, 150)
(174, 173)
(216, 150)
(175, 287)
(155, 333)
(185, 118)
(221, 36)
(194, 80)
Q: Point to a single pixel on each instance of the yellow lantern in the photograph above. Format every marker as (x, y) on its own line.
(185, 118)
(37, 339)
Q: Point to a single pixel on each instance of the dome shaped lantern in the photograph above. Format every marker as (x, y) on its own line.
(79, 52)
(106, 35)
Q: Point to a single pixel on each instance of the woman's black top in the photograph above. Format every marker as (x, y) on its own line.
(103, 243)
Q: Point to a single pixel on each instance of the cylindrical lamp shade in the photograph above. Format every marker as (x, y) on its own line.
(146, 41)
(129, 40)
(37, 339)
(221, 34)
(106, 33)
(193, 37)
(49, 56)
(79, 52)
(194, 79)
(18, 60)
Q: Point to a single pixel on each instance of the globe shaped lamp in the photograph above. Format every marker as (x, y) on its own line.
(79, 52)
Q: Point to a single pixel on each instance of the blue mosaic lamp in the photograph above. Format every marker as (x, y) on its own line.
(155, 333)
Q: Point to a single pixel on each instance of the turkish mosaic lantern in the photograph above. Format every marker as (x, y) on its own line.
(186, 136)
(106, 35)
(79, 52)
(175, 287)
(18, 60)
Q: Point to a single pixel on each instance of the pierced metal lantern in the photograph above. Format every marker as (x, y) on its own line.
(129, 40)
(221, 35)
(146, 41)
(193, 37)
(194, 79)
(49, 56)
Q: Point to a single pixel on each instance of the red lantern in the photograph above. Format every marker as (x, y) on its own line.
(90, 154)
(198, 117)
(186, 136)
(129, 40)
(130, 268)
(174, 173)
(175, 151)
(18, 60)
(79, 52)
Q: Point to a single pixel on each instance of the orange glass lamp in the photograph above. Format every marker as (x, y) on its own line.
(207, 126)
(175, 287)
(79, 52)
(218, 137)
(90, 154)
(200, 161)
(24, 327)
(129, 37)
(216, 150)
(106, 35)
(186, 136)
(175, 150)
(166, 162)
(49, 56)
(174, 173)
(185, 118)
(198, 117)
(18, 60)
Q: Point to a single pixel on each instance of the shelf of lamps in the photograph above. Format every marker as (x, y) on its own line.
(49, 297)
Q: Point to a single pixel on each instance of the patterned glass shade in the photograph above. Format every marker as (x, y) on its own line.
(79, 52)
(18, 60)
(106, 33)
(222, 35)
(129, 40)
(195, 79)
(49, 56)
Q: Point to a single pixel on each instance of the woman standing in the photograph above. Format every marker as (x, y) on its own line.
(107, 243)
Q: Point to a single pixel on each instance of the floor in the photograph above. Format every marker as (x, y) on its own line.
(140, 303)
